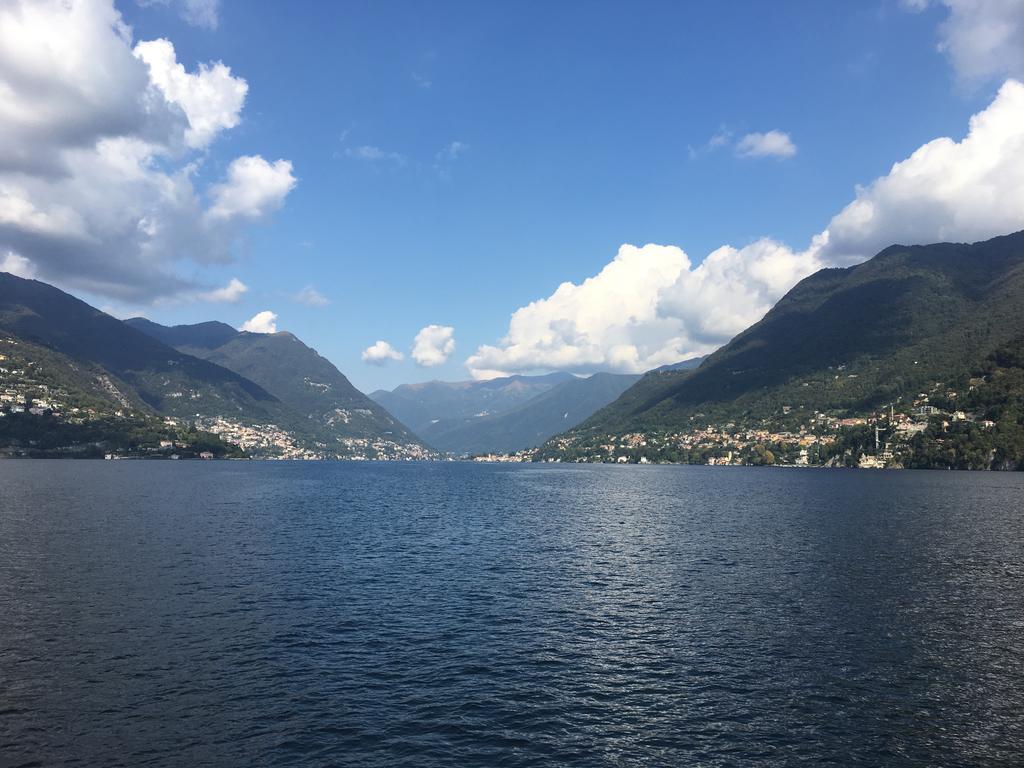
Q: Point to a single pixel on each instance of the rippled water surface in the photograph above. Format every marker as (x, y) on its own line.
(484, 615)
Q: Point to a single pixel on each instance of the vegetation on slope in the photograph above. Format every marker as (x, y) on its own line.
(846, 339)
(293, 373)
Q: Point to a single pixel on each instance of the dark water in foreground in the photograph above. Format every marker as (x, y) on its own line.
(430, 614)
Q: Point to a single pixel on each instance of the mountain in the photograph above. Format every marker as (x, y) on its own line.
(137, 366)
(421, 405)
(119, 379)
(684, 365)
(843, 341)
(505, 414)
(994, 438)
(292, 372)
(186, 338)
(530, 423)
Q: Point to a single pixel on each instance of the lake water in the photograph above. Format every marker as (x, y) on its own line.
(186, 613)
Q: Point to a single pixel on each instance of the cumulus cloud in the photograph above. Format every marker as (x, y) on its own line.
(230, 293)
(261, 322)
(652, 305)
(433, 345)
(252, 189)
(311, 297)
(98, 155)
(965, 190)
(211, 98)
(771, 144)
(982, 38)
(381, 353)
(17, 265)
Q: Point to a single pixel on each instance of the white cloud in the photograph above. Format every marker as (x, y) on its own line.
(433, 345)
(771, 144)
(201, 13)
(230, 293)
(721, 138)
(964, 190)
(252, 189)
(59, 97)
(311, 297)
(651, 305)
(607, 321)
(381, 353)
(983, 38)
(98, 161)
(374, 154)
(198, 13)
(17, 265)
(211, 98)
(261, 322)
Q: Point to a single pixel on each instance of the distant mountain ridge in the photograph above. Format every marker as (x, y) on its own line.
(508, 413)
(501, 415)
(529, 424)
(684, 365)
(198, 336)
(424, 404)
(845, 340)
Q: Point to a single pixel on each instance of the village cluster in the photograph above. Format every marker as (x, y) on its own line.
(272, 442)
(787, 438)
(814, 441)
(22, 390)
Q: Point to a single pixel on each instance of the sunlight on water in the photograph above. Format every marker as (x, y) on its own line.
(435, 614)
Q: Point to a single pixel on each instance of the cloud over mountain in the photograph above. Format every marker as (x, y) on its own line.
(101, 152)
(381, 353)
(261, 322)
(652, 305)
(433, 345)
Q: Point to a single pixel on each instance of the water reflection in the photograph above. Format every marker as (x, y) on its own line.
(478, 615)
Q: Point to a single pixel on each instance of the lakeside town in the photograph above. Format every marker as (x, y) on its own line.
(270, 441)
(48, 412)
(885, 438)
(895, 436)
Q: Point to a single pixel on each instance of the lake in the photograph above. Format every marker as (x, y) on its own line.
(433, 614)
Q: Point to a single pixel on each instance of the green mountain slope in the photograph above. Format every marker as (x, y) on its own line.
(531, 423)
(54, 406)
(117, 371)
(685, 365)
(186, 338)
(845, 340)
(165, 379)
(992, 436)
(292, 372)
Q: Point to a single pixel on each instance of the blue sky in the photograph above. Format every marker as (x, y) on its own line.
(455, 161)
